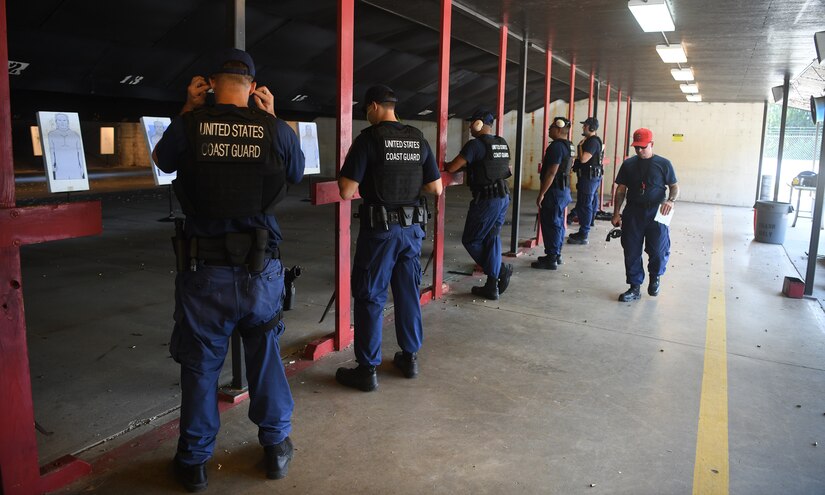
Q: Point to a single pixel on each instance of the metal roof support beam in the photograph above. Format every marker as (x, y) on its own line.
(236, 23)
(626, 144)
(548, 81)
(616, 145)
(813, 247)
(785, 94)
(762, 149)
(522, 106)
(604, 144)
(590, 99)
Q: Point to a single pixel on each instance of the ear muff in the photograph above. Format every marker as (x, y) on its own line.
(477, 125)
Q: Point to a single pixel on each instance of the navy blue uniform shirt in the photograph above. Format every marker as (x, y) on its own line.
(363, 152)
(556, 154)
(173, 149)
(473, 151)
(656, 173)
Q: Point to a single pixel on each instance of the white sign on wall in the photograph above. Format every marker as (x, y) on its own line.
(63, 155)
(153, 129)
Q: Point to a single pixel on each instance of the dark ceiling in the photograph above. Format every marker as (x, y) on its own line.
(117, 60)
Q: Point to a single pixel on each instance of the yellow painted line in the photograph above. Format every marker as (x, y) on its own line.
(711, 473)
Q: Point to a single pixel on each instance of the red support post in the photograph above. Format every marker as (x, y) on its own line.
(502, 79)
(19, 470)
(604, 135)
(570, 107)
(441, 146)
(616, 145)
(626, 129)
(590, 100)
(343, 209)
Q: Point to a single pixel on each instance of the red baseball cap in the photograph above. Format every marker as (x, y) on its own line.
(642, 137)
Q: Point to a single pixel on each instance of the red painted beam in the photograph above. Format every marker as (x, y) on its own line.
(502, 78)
(616, 144)
(325, 193)
(626, 128)
(22, 226)
(604, 137)
(61, 472)
(590, 100)
(343, 209)
(441, 145)
(570, 107)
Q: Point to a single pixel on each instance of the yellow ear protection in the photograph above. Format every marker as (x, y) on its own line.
(477, 125)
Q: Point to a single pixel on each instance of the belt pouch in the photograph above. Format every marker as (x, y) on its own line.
(237, 247)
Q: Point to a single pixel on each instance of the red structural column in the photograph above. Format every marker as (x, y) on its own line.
(616, 144)
(570, 107)
(327, 192)
(343, 209)
(19, 470)
(626, 129)
(441, 146)
(590, 100)
(502, 79)
(604, 135)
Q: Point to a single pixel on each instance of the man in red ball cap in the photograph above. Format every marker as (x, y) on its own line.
(648, 182)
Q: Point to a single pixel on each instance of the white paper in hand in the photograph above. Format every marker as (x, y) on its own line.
(663, 219)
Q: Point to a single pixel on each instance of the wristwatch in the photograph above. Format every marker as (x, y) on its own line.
(671, 200)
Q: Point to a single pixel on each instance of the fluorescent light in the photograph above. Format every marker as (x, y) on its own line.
(682, 74)
(689, 88)
(672, 54)
(696, 97)
(652, 15)
(425, 112)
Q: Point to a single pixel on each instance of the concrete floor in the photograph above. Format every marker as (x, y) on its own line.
(555, 389)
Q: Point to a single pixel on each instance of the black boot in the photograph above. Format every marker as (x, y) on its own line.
(504, 274)
(631, 294)
(362, 377)
(558, 260)
(653, 286)
(488, 290)
(546, 262)
(577, 238)
(193, 478)
(277, 459)
(407, 362)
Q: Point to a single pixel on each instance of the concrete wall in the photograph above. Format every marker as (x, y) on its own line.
(717, 159)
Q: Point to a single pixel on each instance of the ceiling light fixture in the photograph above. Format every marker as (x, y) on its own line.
(672, 54)
(426, 111)
(696, 97)
(652, 15)
(682, 74)
(689, 88)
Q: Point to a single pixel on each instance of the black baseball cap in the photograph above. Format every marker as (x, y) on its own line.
(233, 55)
(483, 115)
(378, 94)
(592, 122)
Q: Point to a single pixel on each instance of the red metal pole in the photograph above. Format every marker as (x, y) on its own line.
(604, 135)
(590, 100)
(502, 79)
(572, 94)
(616, 142)
(441, 146)
(343, 209)
(626, 129)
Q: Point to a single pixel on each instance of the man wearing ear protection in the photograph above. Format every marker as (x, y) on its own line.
(391, 165)
(589, 170)
(487, 160)
(233, 163)
(554, 193)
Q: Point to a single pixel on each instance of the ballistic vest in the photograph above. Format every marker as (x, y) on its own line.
(233, 171)
(397, 172)
(595, 162)
(562, 178)
(494, 166)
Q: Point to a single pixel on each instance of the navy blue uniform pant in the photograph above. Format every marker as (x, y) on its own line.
(553, 223)
(482, 232)
(640, 229)
(210, 304)
(587, 202)
(384, 259)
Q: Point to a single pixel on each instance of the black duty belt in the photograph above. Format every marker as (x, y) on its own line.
(381, 217)
(639, 204)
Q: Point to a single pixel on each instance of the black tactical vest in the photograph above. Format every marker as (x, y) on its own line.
(495, 166)
(397, 172)
(233, 171)
(562, 178)
(595, 160)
